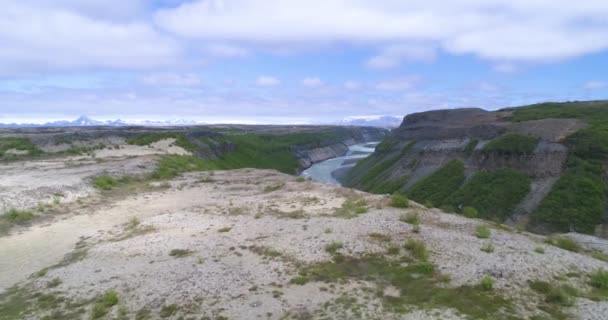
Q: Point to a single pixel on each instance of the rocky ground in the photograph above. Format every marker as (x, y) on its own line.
(257, 244)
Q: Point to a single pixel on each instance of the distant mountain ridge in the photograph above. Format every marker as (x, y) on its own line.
(84, 121)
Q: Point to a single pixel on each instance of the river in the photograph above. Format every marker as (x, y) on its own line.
(321, 171)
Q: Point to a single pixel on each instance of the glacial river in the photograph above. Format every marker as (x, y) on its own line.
(322, 171)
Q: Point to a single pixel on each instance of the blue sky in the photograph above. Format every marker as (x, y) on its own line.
(262, 61)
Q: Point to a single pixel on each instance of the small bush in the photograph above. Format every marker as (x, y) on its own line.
(105, 182)
(300, 280)
(392, 250)
(564, 243)
(300, 179)
(487, 283)
(511, 144)
(482, 232)
(411, 218)
(180, 253)
(54, 283)
(223, 230)
(470, 212)
(104, 303)
(599, 279)
(539, 249)
(168, 311)
(488, 247)
(560, 296)
(399, 201)
(19, 216)
(417, 248)
(333, 247)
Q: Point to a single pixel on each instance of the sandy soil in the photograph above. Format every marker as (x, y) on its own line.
(26, 184)
(227, 220)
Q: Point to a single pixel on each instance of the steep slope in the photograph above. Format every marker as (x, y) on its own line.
(542, 165)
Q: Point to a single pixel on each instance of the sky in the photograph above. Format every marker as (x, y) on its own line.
(289, 61)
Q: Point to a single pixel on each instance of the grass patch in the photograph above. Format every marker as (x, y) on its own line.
(511, 145)
(352, 208)
(487, 248)
(417, 249)
(487, 283)
(168, 311)
(106, 182)
(380, 237)
(437, 187)
(20, 217)
(333, 247)
(180, 253)
(273, 187)
(265, 251)
(224, 230)
(539, 249)
(24, 147)
(494, 194)
(482, 232)
(470, 212)
(104, 303)
(399, 200)
(564, 243)
(170, 166)
(599, 280)
(411, 218)
(419, 285)
(470, 147)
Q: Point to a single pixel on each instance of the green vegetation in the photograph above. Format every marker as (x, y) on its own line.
(470, 212)
(224, 230)
(104, 303)
(352, 208)
(417, 249)
(564, 243)
(511, 144)
(470, 147)
(18, 216)
(578, 199)
(488, 247)
(333, 247)
(493, 193)
(411, 218)
(437, 187)
(106, 182)
(23, 146)
(148, 138)
(482, 232)
(399, 200)
(373, 179)
(487, 283)
(419, 285)
(171, 166)
(180, 253)
(599, 280)
(168, 311)
(539, 249)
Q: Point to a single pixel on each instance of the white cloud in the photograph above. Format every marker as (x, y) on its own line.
(392, 56)
(494, 29)
(506, 68)
(595, 85)
(267, 81)
(54, 38)
(172, 79)
(352, 85)
(226, 50)
(312, 82)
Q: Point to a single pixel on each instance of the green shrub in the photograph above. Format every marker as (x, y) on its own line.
(300, 280)
(482, 232)
(20, 144)
(104, 303)
(411, 218)
(487, 283)
(511, 144)
(539, 249)
(437, 187)
(18, 216)
(168, 311)
(488, 247)
(495, 194)
(417, 248)
(399, 201)
(470, 147)
(333, 247)
(599, 279)
(170, 166)
(470, 212)
(564, 243)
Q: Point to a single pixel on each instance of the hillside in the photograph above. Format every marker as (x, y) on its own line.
(541, 166)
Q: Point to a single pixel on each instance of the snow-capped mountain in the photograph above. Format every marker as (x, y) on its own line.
(372, 121)
(84, 121)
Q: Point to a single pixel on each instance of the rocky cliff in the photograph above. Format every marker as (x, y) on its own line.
(537, 150)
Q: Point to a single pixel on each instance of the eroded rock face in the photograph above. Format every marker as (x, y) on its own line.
(436, 137)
